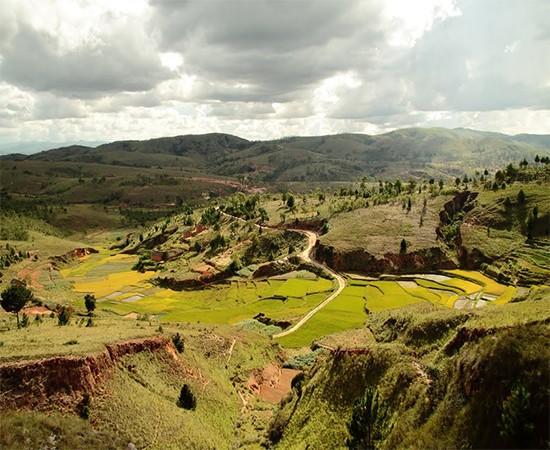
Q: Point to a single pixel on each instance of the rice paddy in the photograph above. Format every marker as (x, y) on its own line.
(123, 291)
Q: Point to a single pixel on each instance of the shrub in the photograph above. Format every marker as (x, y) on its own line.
(514, 424)
(178, 342)
(84, 412)
(89, 301)
(64, 316)
(24, 320)
(187, 399)
(369, 421)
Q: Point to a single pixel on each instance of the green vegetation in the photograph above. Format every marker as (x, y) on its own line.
(207, 273)
(14, 299)
(410, 356)
(369, 421)
(187, 399)
(90, 303)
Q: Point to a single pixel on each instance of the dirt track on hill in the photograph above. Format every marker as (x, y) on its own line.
(306, 256)
(312, 240)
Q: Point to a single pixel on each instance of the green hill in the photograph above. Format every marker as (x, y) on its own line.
(450, 379)
(416, 152)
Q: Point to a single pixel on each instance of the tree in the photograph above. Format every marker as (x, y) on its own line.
(524, 163)
(290, 202)
(64, 316)
(187, 399)
(89, 301)
(514, 427)
(178, 342)
(14, 299)
(369, 421)
(521, 197)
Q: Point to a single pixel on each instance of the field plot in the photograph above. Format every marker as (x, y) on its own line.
(124, 291)
(490, 286)
(345, 312)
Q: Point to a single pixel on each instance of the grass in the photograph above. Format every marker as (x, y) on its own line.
(380, 229)
(48, 338)
(113, 282)
(343, 313)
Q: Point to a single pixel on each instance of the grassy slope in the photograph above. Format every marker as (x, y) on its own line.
(426, 381)
(505, 244)
(138, 403)
(380, 229)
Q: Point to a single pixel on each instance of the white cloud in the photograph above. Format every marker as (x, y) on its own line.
(106, 70)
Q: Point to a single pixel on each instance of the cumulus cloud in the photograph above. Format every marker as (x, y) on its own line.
(141, 68)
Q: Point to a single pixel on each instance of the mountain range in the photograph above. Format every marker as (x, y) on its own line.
(413, 152)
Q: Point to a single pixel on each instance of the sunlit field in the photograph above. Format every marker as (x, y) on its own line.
(123, 291)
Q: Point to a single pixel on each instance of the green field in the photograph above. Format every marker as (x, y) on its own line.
(123, 292)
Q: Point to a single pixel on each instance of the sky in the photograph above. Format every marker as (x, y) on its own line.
(105, 70)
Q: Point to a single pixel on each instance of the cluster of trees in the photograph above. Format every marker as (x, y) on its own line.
(16, 296)
(246, 208)
(144, 180)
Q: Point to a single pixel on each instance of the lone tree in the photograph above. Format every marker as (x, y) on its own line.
(369, 421)
(290, 202)
(14, 299)
(187, 399)
(89, 301)
(521, 197)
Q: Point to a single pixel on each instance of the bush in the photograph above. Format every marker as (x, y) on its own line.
(64, 316)
(84, 412)
(24, 320)
(369, 421)
(178, 342)
(89, 301)
(187, 399)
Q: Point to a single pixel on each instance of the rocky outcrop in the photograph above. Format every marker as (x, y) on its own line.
(60, 382)
(360, 260)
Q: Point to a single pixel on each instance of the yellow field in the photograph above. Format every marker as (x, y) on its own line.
(112, 283)
(491, 287)
(506, 296)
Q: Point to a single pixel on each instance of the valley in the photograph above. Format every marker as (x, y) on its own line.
(275, 294)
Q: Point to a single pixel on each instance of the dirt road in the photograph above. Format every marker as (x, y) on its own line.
(312, 239)
(306, 255)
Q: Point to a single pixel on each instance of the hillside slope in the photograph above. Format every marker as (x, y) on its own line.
(436, 372)
(416, 152)
(129, 392)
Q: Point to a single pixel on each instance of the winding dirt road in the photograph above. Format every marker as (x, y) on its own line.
(306, 256)
(312, 239)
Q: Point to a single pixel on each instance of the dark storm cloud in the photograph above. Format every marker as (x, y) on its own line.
(33, 60)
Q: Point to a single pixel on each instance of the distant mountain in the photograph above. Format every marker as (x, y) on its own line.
(414, 152)
(29, 147)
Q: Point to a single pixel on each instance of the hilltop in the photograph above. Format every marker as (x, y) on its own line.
(414, 152)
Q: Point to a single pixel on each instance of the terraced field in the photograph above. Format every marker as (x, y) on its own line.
(288, 298)
(349, 310)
